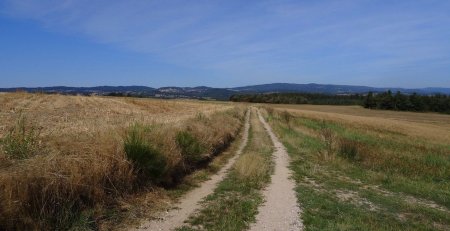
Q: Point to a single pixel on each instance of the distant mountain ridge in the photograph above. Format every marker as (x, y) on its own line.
(203, 92)
(334, 89)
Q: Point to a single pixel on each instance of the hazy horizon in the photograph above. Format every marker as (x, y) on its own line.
(79, 43)
(223, 87)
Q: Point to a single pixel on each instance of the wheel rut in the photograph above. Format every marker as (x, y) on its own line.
(280, 210)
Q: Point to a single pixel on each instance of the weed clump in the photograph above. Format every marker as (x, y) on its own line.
(287, 117)
(21, 142)
(270, 110)
(149, 161)
(252, 167)
(348, 149)
(329, 138)
(201, 116)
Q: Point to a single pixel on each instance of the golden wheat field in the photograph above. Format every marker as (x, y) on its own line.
(431, 127)
(75, 156)
(58, 114)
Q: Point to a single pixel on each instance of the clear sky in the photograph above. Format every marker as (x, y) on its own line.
(227, 43)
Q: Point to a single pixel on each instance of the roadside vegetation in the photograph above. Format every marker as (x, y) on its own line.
(360, 177)
(235, 201)
(60, 170)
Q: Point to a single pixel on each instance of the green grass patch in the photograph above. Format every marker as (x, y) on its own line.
(148, 160)
(367, 183)
(22, 140)
(191, 148)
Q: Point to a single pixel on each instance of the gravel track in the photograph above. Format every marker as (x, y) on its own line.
(280, 210)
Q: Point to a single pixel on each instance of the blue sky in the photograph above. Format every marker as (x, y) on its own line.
(224, 43)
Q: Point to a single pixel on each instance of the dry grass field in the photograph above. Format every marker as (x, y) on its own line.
(61, 155)
(58, 114)
(431, 127)
(98, 163)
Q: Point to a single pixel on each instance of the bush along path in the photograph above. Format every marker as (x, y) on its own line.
(280, 210)
(190, 202)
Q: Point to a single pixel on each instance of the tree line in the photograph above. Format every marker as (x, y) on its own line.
(300, 98)
(413, 102)
(385, 100)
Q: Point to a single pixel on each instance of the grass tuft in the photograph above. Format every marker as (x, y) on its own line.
(328, 137)
(349, 149)
(22, 141)
(252, 167)
(150, 161)
(286, 117)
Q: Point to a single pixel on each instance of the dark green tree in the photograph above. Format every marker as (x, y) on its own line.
(370, 102)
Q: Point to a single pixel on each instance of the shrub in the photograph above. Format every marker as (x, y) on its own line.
(270, 110)
(349, 149)
(287, 117)
(191, 148)
(328, 138)
(21, 142)
(144, 156)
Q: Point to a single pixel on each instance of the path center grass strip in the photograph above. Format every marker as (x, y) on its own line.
(234, 203)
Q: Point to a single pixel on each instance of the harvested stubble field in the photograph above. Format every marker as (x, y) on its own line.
(64, 155)
(58, 114)
(360, 169)
(431, 127)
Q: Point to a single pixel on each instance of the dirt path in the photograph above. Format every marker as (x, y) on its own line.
(190, 202)
(280, 210)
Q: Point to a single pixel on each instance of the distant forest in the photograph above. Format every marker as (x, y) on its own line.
(386, 100)
(414, 102)
(300, 98)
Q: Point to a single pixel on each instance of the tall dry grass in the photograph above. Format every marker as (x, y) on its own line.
(86, 116)
(255, 164)
(252, 166)
(83, 165)
(48, 191)
(213, 134)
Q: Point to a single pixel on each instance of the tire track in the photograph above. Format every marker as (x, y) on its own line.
(280, 210)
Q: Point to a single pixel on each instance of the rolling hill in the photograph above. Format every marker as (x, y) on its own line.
(203, 92)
